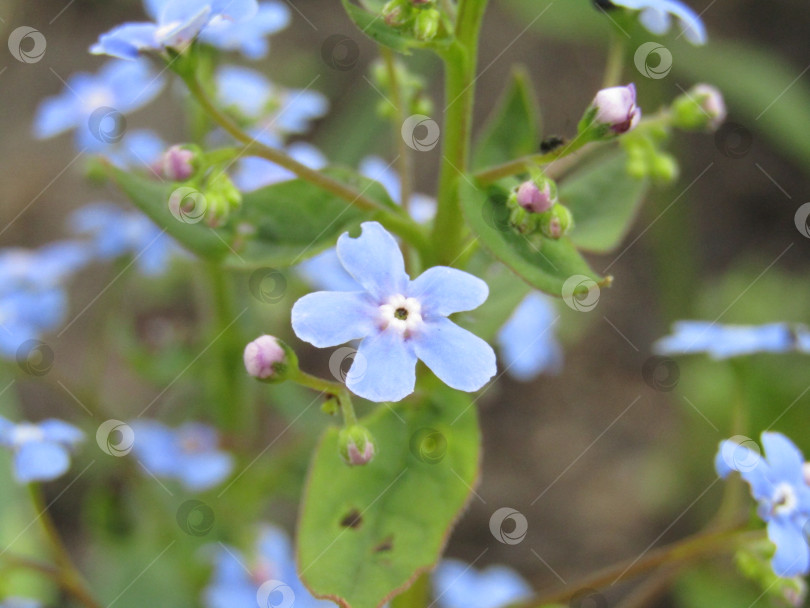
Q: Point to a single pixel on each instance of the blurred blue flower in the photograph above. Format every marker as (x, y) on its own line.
(528, 344)
(250, 36)
(177, 24)
(459, 585)
(276, 111)
(32, 295)
(421, 207)
(778, 483)
(400, 320)
(655, 16)
(95, 104)
(41, 451)
(235, 584)
(253, 172)
(325, 272)
(189, 454)
(724, 341)
(116, 232)
(139, 149)
(20, 602)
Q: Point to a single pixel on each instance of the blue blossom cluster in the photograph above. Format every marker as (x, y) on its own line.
(726, 341)
(41, 451)
(779, 484)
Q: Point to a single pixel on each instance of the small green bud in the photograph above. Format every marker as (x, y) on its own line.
(700, 109)
(331, 406)
(356, 445)
(268, 359)
(222, 197)
(556, 222)
(396, 13)
(664, 167)
(427, 24)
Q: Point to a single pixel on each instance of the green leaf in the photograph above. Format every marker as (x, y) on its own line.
(604, 200)
(366, 533)
(546, 266)
(373, 26)
(152, 198)
(514, 128)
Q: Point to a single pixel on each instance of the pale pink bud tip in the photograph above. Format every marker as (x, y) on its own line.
(711, 100)
(357, 457)
(262, 355)
(176, 164)
(531, 198)
(616, 106)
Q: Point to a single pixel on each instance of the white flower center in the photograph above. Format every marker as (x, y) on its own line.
(100, 97)
(402, 314)
(784, 499)
(23, 433)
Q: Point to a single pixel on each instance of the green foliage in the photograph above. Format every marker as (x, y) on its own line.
(514, 128)
(546, 266)
(373, 26)
(604, 200)
(367, 532)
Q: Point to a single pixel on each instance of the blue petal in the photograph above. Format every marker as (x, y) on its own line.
(248, 37)
(235, 10)
(384, 368)
(299, 108)
(126, 41)
(690, 22)
(377, 169)
(442, 291)
(751, 465)
(205, 470)
(459, 358)
(527, 341)
(245, 89)
(6, 431)
(156, 447)
(40, 461)
(329, 318)
(784, 458)
(53, 116)
(792, 557)
(459, 585)
(655, 20)
(374, 260)
(59, 431)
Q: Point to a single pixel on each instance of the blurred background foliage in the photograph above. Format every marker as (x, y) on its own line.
(720, 244)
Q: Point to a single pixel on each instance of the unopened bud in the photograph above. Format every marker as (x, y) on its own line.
(356, 445)
(396, 13)
(556, 222)
(795, 592)
(268, 359)
(177, 164)
(222, 198)
(427, 24)
(701, 108)
(533, 199)
(615, 108)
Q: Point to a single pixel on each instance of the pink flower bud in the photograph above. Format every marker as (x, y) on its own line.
(176, 164)
(616, 106)
(531, 198)
(712, 103)
(356, 445)
(263, 357)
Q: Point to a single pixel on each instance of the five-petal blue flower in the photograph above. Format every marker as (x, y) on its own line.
(778, 484)
(41, 451)
(528, 344)
(399, 320)
(189, 454)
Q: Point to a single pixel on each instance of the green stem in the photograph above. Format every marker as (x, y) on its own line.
(615, 60)
(695, 547)
(460, 61)
(69, 578)
(332, 388)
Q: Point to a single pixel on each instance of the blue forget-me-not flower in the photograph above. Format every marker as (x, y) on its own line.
(656, 16)
(235, 584)
(399, 320)
(189, 454)
(41, 451)
(459, 585)
(421, 207)
(527, 341)
(253, 172)
(94, 104)
(725, 341)
(778, 484)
